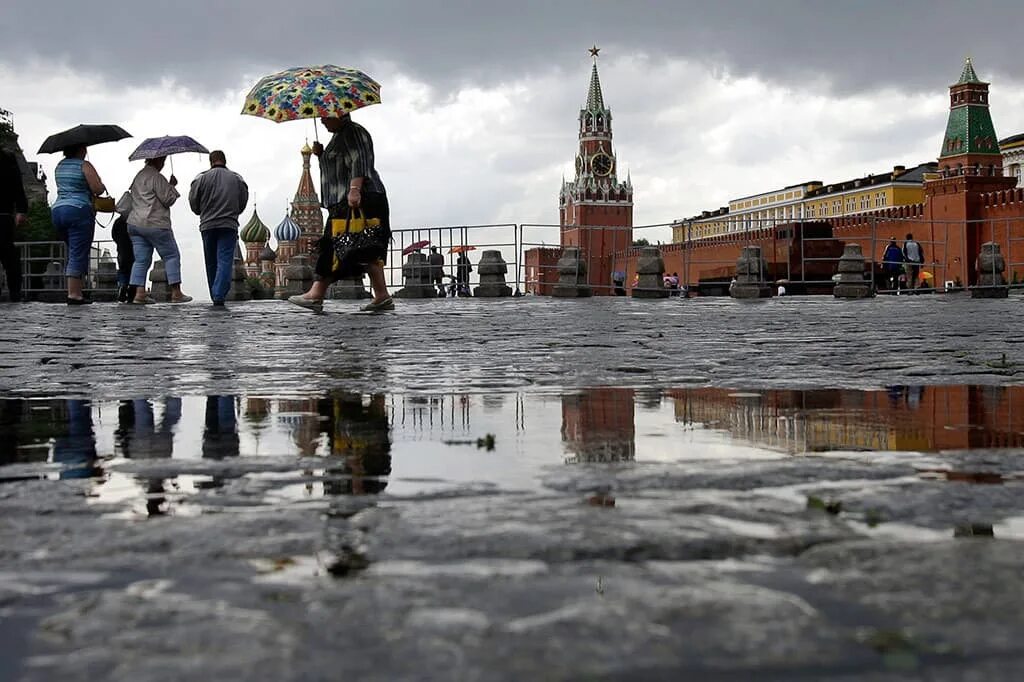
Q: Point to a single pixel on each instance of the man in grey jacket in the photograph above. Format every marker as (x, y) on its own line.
(218, 196)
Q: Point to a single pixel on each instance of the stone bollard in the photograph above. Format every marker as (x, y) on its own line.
(990, 266)
(572, 275)
(492, 269)
(239, 290)
(159, 289)
(298, 276)
(851, 282)
(348, 289)
(416, 278)
(105, 280)
(751, 275)
(650, 270)
(54, 284)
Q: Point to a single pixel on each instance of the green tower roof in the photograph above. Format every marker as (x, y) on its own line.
(969, 129)
(968, 75)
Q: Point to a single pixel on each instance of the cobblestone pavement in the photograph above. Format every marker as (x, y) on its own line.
(574, 545)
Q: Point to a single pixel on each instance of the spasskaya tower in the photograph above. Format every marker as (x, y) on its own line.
(596, 207)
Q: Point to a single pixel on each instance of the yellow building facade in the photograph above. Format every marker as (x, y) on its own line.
(812, 200)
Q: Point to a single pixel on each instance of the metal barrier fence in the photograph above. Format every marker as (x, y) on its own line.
(503, 237)
(39, 278)
(804, 254)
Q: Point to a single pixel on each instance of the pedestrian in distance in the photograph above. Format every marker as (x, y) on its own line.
(149, 224)
(74, 217)
(13, 214)
(892, 263)
(463, 267)
(218, 196)
(436, 262)
(913, 257)
(349, 181)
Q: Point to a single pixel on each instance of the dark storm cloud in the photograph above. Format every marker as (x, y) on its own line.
(857, 46)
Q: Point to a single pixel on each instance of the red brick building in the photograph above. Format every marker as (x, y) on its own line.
(968, 202)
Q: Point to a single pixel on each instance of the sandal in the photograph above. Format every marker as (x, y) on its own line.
(303, 302)
(371, 307)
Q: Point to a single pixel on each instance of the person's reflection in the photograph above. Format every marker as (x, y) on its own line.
(220, 436)
(139, 437)
(77, 448)
(360, 434)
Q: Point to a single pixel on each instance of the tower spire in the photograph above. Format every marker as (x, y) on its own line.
(595, 100)
(968, 75)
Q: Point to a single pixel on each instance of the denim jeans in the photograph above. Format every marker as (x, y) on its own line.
(75, 226)
(219, 246)
(144, 240)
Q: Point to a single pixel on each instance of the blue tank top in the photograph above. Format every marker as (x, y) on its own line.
(72, 189)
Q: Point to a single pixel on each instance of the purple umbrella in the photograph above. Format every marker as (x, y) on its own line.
(155, 147)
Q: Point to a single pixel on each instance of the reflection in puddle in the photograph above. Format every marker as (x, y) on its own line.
(183, 447)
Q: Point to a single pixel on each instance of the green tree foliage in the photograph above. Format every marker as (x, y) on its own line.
(39, 227)
(641, 242)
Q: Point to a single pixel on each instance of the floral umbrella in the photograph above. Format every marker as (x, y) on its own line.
(311, 92)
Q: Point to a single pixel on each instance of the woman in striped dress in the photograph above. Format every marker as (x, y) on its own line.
(348, 180)
(73, 216)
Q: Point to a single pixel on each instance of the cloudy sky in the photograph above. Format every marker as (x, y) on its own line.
(711, 100)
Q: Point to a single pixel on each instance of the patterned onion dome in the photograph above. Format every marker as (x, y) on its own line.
(267, 253)
(287, 231)
(255, 232)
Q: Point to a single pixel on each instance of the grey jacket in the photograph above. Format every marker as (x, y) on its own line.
(152, 198)
(218, 196)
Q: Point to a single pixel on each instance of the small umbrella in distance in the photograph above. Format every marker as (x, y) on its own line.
(155, 147)
(82, 135)
(461, 248)
(415, 246)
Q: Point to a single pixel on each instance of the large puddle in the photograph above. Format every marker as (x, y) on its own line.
(148, 454)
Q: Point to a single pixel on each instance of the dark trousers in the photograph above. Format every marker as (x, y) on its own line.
(219, 251)
(125, 253)
(9, 257)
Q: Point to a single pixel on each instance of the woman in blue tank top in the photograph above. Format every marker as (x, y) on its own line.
(74, 217)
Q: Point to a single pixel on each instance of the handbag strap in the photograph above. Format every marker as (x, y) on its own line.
(350, 214)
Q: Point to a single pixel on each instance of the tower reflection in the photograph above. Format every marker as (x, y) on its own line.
(598, 425)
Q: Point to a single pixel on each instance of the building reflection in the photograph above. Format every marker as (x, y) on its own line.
(598, 425)
(923, 418)
(359, 434)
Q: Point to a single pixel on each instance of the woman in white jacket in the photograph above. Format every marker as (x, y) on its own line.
(149, 225)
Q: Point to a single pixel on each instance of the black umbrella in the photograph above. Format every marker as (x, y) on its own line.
(83, 135)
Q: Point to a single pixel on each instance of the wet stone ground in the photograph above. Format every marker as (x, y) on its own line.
(516, 489)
